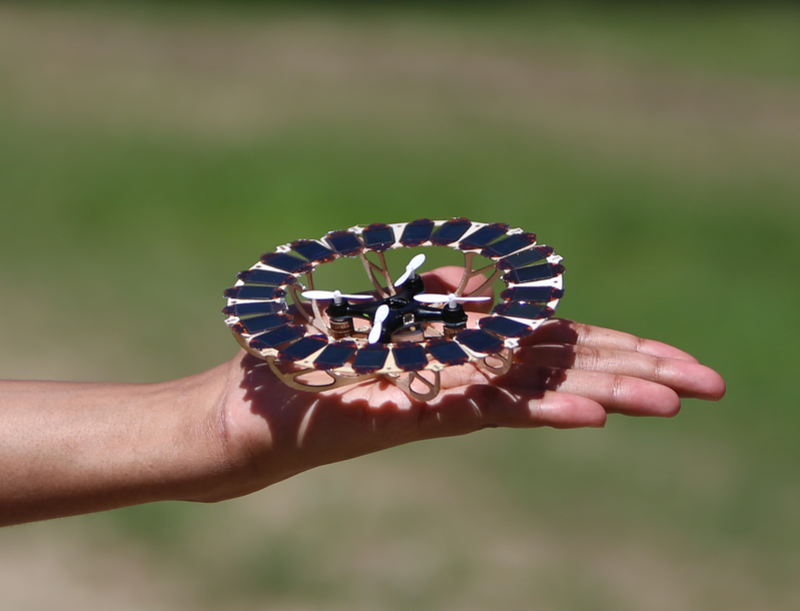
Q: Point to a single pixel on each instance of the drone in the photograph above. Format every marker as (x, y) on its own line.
(398, 330)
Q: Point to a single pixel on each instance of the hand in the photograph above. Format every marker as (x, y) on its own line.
(567, 375)
(77, 447)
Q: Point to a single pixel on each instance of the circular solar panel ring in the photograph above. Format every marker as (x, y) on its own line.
(262, 321)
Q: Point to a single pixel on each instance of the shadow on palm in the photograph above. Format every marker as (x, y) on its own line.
(337, 424)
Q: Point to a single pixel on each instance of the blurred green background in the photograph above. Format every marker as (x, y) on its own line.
(149, 151)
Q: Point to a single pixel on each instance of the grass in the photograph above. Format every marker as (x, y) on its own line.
(124, 218)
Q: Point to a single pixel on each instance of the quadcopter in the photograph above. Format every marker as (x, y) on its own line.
(398, 331)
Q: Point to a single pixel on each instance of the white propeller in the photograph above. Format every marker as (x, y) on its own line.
(413, 265)
(377, 324)
(337, 296)
(451, 300)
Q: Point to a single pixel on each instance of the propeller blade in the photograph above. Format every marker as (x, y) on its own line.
(416, 262)
(377, 324)
(442, 298)
(337, 296)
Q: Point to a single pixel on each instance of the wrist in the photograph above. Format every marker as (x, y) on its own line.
(197, 462)
(252, 440)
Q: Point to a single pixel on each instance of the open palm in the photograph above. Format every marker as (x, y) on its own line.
(566, 375)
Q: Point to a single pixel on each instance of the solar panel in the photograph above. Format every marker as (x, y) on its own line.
(483, 236)
(345, 243)
(537, 294)
(532, 256)
(286, 262)
(313, 251)
(507, 245)
(378, 237)
(417, 232)
(504, 327)
(451, 231)
(259, 324)
(265, 276)
(254, 308)
(255, 291)
(370, 358)
(447, 352)
(480, 341)
(532, 274)
(303, 347)
(335, 355)
(521, 309)
(278, 337)
(409, 356)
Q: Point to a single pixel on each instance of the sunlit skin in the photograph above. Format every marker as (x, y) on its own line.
(71, 448)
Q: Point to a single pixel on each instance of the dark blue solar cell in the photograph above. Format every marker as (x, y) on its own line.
(409, 356)
(521, 309)
(345, 243)
(370, 358)
(532, 274)
(509, 244)
(255, 291)
(480, 341)
(253, 309)
(447, 352)
(451, 231)
(259, 324)
(335, 355)
(287, 263)
(313, 251)
(278, 337)
(417, 232)
(504, 327)
(537, 294)
(378, 237)
(303, 347)
(529, 257)
(483, 236)
(264, 276)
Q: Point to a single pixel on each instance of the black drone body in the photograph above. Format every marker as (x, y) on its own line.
(405, 314)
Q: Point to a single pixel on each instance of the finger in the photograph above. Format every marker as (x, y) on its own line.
(688, 379)
(561, 331)
(616, 393)
(466, 409)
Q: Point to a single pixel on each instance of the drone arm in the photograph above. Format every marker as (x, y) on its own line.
(364, 309)
(445, 315)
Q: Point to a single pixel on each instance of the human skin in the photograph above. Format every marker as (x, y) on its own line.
(72, 447)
